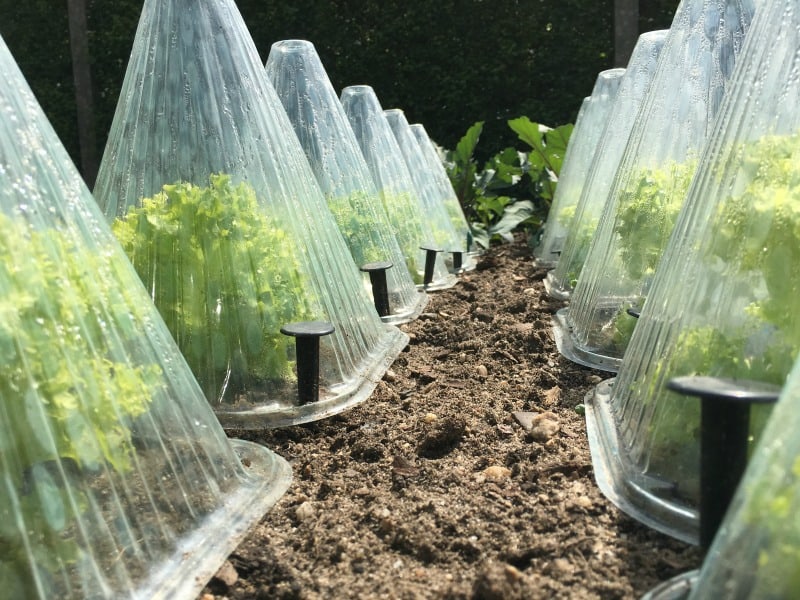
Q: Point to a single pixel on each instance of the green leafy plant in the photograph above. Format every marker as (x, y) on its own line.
(353, 216)
(66, 400)
(514, 189)
(224, 277)
(754, 239)
(647, 210)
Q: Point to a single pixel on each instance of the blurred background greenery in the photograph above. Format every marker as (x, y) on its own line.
(446, 63)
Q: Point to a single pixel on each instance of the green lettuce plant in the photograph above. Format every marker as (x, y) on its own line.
(755, 238)
(68, 402)
(224, 277)
(352, 215)
(647, 210)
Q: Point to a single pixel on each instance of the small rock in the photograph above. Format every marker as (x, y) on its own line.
(305, 511)
(430, 418)
(207, 597)
(512, 572)
(525, 419)
(390, 375)
(496, 473)
(227, 574)
(545, 427)
(551, 396)
(583, 501)
(529, 291)
(594, 378)
(482, 371)
(561, 565)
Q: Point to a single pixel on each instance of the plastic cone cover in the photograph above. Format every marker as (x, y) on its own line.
(391, 175)
(442, 186)
(654, 175)
(583, 143)
(297, 74)
(115, 472)
(444, 235)
(755, 551)
(213, 199)
(608, 155)
(722, 301)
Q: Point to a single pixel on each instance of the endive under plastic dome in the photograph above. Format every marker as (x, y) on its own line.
(115, 473)
(652, 180)
(632, 90)
(213, 199)
(589, 127)
(445, 235)
(722, 302)
(390, 173)
(299, 78)
(443, 186)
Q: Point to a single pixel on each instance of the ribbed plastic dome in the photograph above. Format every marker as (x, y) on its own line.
(444, 189)
(445, 235)
(756, 551)
(117, 481)
(299, 78)
(722, 300)
(652, 180)
(391, 175)
(632, 90)
(585, 138)
(213, 199)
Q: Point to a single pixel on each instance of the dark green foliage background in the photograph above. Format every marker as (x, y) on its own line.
(447, 63)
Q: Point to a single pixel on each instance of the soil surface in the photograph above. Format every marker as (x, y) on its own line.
(433, 489)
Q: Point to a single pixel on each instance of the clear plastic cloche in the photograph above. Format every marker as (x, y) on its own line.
(299, 78)
(721, 303)
(585, 138)
(444, 188)
(651, 183)
(212, 198)
(390, 173)
(115, 472)
(582, 226)
(445, 235)
(756, 551)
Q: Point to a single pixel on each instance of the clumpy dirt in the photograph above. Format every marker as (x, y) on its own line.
(433, 489)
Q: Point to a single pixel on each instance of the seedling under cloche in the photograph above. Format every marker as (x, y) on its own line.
(722, 301)
(115, 472)
(560, 282)
(653, 178)
(299, 78)
(445, 235)
(581, 151)
(213, 199)
(391, 175)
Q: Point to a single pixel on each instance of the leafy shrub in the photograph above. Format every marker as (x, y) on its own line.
(514, 189)
(224, 277)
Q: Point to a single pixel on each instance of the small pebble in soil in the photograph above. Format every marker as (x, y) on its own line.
(227, 574)
(482, 371)
(430, 418)
(496, 473)
(304, 512)
(544, 426)
(390, 376)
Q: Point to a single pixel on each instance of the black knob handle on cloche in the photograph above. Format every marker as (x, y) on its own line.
(458, 258)
(380, 291)
(724, 432)
(430, 262)
(307, 334)
(634, 311)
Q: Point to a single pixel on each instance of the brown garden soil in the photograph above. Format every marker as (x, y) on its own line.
(432, 489)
